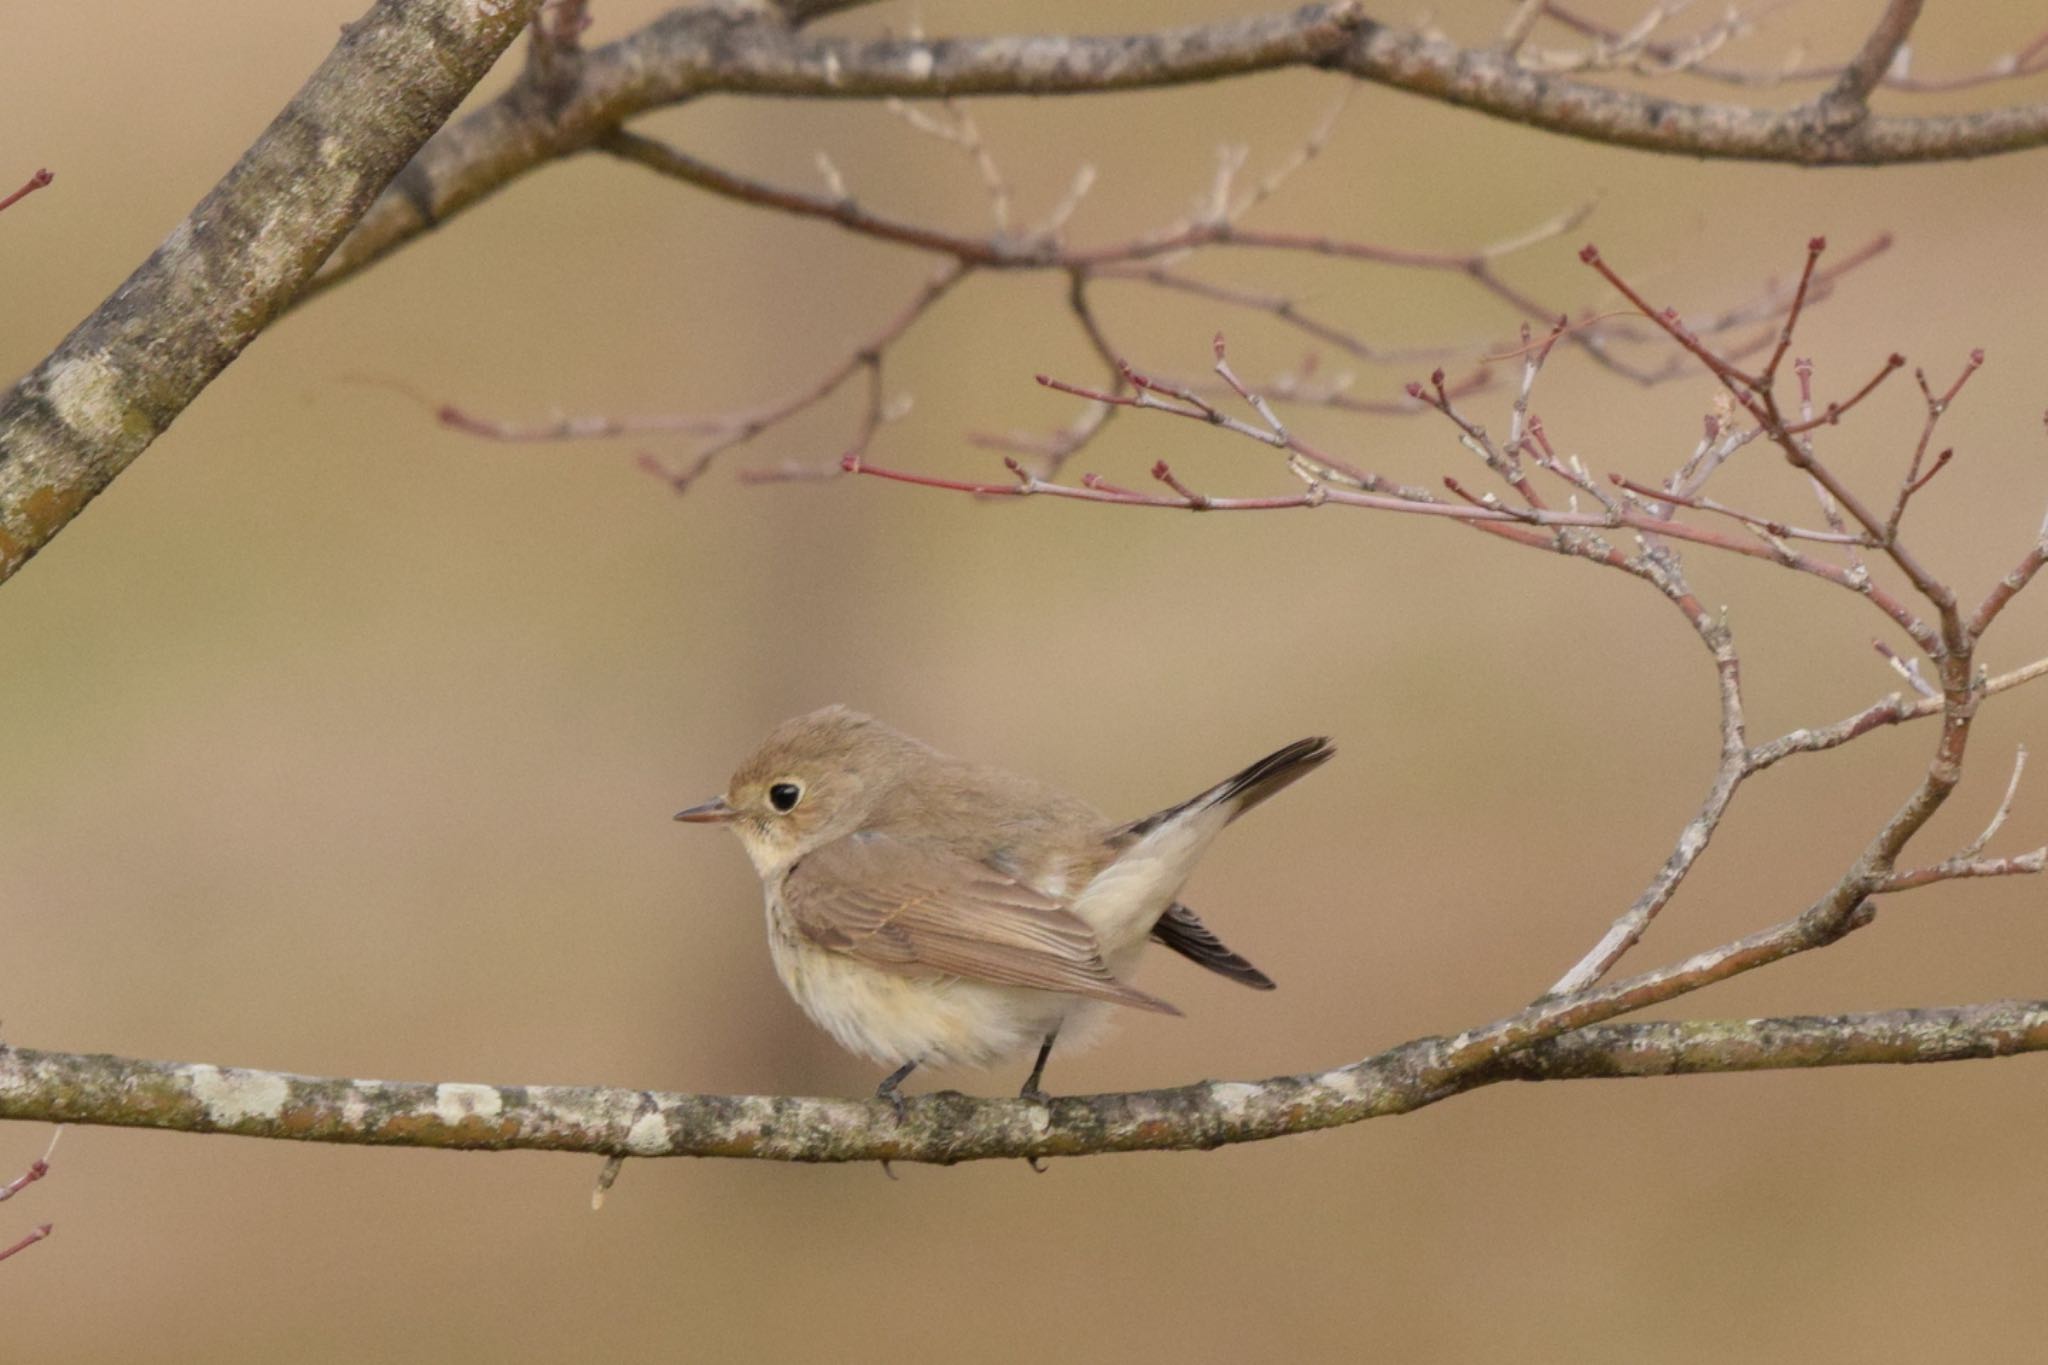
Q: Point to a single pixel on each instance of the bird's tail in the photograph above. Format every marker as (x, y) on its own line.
(1183, 931)
(1246, 789)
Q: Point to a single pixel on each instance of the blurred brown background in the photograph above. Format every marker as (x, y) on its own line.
(340, 743)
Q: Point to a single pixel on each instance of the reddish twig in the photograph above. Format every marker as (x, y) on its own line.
(35, 1235)
(1652, 513)
(28, 187)
(1834, 411)
(1756, 394)
(37, 1169)
(1778, 529)
(1937, 404)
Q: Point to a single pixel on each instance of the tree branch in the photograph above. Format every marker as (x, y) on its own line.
(948, 1127)
(234, 264)
(697, 51)
(1847, 100)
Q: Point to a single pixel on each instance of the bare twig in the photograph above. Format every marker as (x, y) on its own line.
(2025, 60)
(34, 1235)
(1998, 817)
(1937, 404)
(1956, 869)
(28, 187)
(1652, 513)
(37, 1169)
(1846, 102)
(1215, 223)
(1909, 669)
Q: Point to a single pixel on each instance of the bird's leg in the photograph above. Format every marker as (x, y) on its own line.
(887, 1089)
(1031, 1090)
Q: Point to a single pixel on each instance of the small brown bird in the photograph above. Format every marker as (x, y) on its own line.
(926, 909)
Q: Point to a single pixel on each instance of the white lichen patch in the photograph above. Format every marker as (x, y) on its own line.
(1234, 1098)
(1343, 1083)
(648, 1136)
(355, 1110)
(85, 391)
(274, 255)
(454, 1102)
(233, 1097)
(920, 64)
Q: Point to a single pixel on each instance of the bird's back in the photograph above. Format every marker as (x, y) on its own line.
(1022, 827)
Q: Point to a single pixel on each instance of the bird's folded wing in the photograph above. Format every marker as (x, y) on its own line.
(908, 908)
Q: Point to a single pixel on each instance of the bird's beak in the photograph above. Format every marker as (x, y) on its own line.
(712, 812)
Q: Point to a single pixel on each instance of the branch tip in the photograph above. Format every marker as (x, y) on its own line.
(28, 187)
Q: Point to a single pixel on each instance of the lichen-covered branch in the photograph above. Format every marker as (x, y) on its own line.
(703, 50)
(949, 1127)
(233, 265)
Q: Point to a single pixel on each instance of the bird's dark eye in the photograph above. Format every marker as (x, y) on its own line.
(784, 796)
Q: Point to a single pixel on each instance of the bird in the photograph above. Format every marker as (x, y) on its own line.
(927, 910)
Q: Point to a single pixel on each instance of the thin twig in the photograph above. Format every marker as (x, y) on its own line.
(28, 187)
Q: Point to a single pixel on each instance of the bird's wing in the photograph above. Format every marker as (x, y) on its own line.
(907, 908)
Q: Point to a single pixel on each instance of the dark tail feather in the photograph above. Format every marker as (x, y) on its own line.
(1180, 930)
(1273, 772)
(1249, 787)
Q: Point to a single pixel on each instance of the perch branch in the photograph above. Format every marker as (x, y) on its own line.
(948, 1127)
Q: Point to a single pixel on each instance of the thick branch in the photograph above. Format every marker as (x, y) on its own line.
(698, 51)
(949, 1127)
(232, 266)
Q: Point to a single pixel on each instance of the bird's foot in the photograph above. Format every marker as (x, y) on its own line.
(887, 1089)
